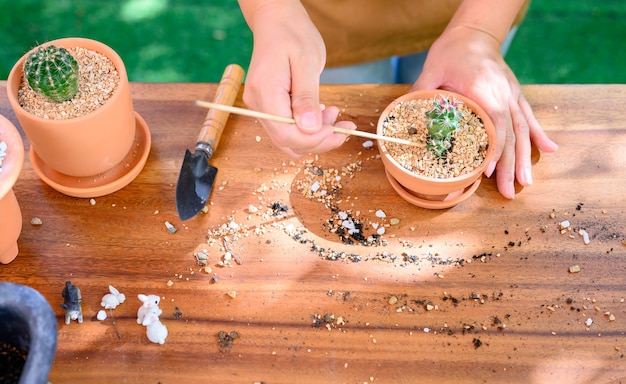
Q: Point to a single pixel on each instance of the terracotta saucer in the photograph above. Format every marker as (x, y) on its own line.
(105, 183)
(446, 202)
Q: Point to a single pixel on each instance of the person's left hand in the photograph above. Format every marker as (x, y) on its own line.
(468, 61)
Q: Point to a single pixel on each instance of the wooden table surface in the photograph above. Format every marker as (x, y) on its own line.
(477, 293)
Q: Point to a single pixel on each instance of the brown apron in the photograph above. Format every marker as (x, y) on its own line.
(357, 31)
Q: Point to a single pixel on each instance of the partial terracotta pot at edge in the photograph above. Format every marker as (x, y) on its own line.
(86, 145)
(428, 192)
(10, 213)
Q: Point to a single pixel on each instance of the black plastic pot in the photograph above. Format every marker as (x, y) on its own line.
(28, 335)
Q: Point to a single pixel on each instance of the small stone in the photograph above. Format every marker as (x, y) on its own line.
(368, 144)
(394, 221)
(258, 139)
(564, 224)
(170, 228)
(232, 294)
(589, 322)
(393, 300)
(381, 214)
(92, 201)
(36, 221)
(252, 209)
(574, 268)
(585, 236)
(102, 315)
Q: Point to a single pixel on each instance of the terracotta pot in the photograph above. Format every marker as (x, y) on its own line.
(427, 192)
(28, 334)
(88, 147)
(10, 213)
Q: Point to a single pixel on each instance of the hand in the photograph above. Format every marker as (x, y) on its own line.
(283, 78)
(468, 61)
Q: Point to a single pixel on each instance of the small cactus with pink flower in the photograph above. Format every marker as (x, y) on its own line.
(442, 121)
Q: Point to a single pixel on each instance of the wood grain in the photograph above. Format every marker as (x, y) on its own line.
(502, 315)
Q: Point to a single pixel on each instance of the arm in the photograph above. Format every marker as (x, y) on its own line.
(473, 38)
(283, 76)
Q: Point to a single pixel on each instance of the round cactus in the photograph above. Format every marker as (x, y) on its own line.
(442, 121)
(53, 72)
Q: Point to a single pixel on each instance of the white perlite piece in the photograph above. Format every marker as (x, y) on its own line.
(585, 236)
(381, 214)
(102, 315)
(368, 144)
(3, 152)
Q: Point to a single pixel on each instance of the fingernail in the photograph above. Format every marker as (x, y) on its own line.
(527, 177)
(490, 169)
(308, 120)
(510, 191)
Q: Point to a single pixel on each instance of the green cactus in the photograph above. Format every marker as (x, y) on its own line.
(53, 72)
(442, 121)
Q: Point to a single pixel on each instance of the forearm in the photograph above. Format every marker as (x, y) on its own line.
(494, 17)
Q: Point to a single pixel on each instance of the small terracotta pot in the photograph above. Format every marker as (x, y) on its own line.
(10, 213)
(85, 146)
(427, 192)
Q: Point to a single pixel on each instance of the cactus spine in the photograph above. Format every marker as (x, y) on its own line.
(53, 72)
(442, 121)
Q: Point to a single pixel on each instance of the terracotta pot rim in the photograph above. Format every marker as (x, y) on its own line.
(429, 94)
(67, 42)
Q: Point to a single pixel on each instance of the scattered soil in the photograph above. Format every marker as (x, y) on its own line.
(407, 121)
(98, 80)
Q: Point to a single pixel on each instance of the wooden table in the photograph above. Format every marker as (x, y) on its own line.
(477, 293)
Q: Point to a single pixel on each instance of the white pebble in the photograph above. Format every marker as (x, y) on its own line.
(426, 330)
(380, 214)
(564, 224)
(381, 231)
(368, 144)
(342, 215)
(233, 225)
(102, 314)
(315, 186)
(585, 236)
(252, 209)
(589, 322)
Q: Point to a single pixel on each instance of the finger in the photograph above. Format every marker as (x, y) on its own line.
(521, 130)
(305, 96)
(537, 135)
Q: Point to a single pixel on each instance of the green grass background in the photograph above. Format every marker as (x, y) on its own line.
(574, 41)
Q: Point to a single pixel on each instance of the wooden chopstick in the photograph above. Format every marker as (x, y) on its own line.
(289, 120)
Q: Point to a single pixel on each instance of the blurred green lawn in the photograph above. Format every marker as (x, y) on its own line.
(577, 41)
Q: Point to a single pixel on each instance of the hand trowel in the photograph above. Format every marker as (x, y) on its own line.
(196, 174)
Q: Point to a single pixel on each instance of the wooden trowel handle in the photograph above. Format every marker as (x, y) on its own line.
(215, 121)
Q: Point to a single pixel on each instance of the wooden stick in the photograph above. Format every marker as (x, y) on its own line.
(289, 120)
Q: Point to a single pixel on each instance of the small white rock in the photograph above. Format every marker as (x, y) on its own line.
(252, 209)
(102, 314)
(380, 214)
(368, 144)
(381, 231)
(589, 322)
(585, 236)
(315, 186)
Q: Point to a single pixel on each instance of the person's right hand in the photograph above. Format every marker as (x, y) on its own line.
(283, 77)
